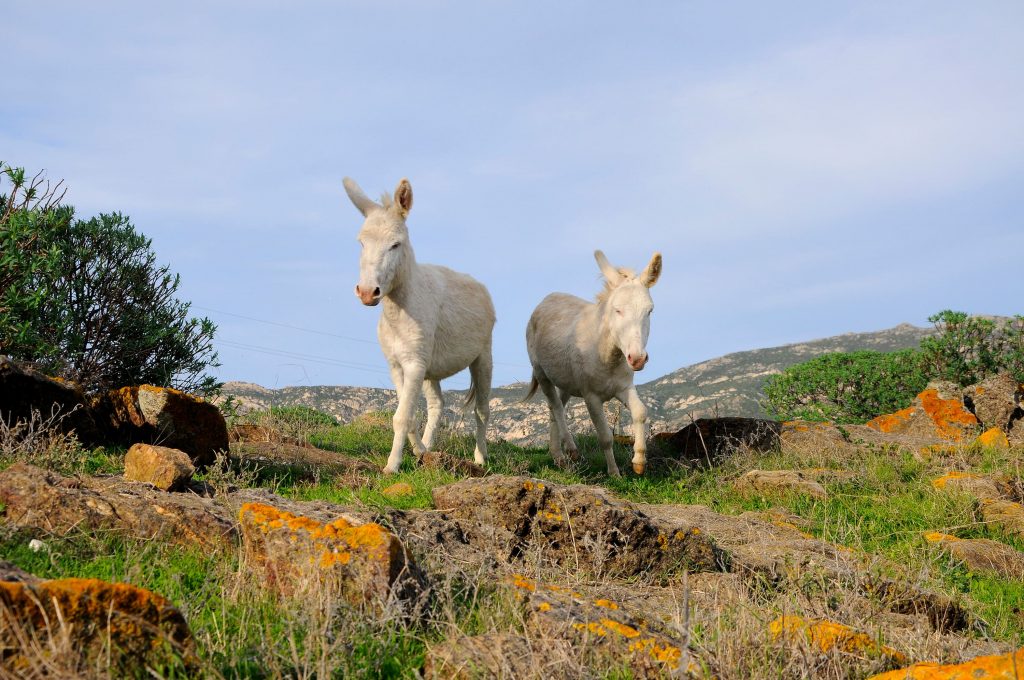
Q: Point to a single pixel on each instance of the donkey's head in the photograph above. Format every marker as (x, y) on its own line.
(628, 306)
(385, 240)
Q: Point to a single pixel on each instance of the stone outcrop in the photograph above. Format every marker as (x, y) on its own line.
(165, 416)
(981, 554)
(937, 414)
(991, 667)
(78, 624)
(512, 516)
(706, 440)
(163, 467)
(1006, 515)
(364, 564)
(23, 390)
(775, 481)
(826, 636)
(972, 484)
(995, 400)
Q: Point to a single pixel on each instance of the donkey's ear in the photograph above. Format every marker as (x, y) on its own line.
(359, 199)
(611, 274)
(649, 276)
(403, 196)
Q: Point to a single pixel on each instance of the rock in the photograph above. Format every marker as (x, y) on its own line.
(826, 636)
(559, 612)
(706, 440)
(981, 554)
(11, 572)
(801, 436)
(81, 624)
(1006, 515)
(581, 525)
(992, 438)
(938, 413)
(454, 464)
(40, 499)
(774, 481)
(23, 390)
(364, 564)
(994, 400)
(252, 433)
(304, 463)
(1016, 434)
(996, 667)
(163, 467)
(161, 415)
(502, 655)
(979, 486)
(398, 490)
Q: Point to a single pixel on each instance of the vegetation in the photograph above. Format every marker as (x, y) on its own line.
(111, 316)
(853, 387)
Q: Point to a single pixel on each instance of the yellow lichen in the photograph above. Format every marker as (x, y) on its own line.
(543, 607)
(938, 537)
(997, 667)
(669, 655)
(607, 604)
(941, 482)
(891, 421)
(520, 581)
(620, 628)
(828, 635)
(993, 438)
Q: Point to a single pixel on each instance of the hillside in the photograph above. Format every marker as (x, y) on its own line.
(726, 385)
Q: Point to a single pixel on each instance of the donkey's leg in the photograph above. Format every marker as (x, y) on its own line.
(435, 407)
(638, 413)
(557, 417)
(604, 433)
(568, 441)
(404, 421)
(481, 370)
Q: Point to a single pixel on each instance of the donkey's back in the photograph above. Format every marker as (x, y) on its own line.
(465, 319)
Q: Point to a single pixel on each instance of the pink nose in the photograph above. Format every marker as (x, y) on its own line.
(637, 363)
(368, 297)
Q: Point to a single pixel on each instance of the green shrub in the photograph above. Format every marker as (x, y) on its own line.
(110, 316)
(847, 387)
(968, 349)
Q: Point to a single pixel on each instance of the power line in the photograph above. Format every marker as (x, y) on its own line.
(299, 356)
(285, 325)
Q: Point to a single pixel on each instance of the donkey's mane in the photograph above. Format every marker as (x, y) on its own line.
(625, 272)
(386, 201)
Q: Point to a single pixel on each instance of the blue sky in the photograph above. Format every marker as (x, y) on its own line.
(806, 169)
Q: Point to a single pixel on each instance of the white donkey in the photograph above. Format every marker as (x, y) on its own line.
(591, 350)
(435, 322)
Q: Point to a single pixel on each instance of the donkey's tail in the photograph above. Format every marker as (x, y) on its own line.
(471, 397)
(533, 390)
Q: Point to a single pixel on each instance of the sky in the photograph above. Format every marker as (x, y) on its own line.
(805, 168)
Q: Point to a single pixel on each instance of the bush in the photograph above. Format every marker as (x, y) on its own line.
(968, 349)
(847, 387)
(110, 316)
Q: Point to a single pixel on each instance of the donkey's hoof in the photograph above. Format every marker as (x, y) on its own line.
(614, 472)
(639, 468)
(388, 470)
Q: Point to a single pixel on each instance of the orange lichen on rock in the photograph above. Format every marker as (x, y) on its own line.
(941, 482)
(938, 537)
(607, 604)
(993, 438)
(997, 667)
(891, 422)
(128, 627)
(523, 582)
(828, 635)
(949, 415)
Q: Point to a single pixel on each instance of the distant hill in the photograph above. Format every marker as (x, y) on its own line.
(727, 385)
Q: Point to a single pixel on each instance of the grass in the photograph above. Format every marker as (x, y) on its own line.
(242, 632)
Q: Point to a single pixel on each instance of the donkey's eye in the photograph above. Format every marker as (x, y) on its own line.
(394, 246)
(619, 312)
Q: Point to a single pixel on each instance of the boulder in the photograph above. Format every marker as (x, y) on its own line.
(775, 481)
(165, 416)
(706, 440)
(802, 436)
(994, 400)
(23, 390)
(77, 625)
(978, 486)
(994, 667)
(303, 463)
(163, 467)
(992, 438)
(364, 564)
(937, 414)
(36, 498)
(826, 636)
(1006, 515)
(581, 525)
(981, 554)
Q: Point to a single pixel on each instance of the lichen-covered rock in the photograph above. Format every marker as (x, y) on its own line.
(398, 490)
(979, 486)
(150, 415)
(74, 624)
(981, 554)
(23, 390)
(995, 399)
(584, 525)
(992, 438)
(706, 440)
(938, 413)
(455, 464)
(364, 564)
(829, 635)
(163, 467)
(1006, 515)
(560, 612)
(995, 667)
(774, 481)
(33, 497)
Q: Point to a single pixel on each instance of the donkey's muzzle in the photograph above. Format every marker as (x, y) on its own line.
(368, 297)
(637, 363)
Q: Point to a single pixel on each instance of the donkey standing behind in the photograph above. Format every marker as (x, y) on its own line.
(591, 350)
(435, 322)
